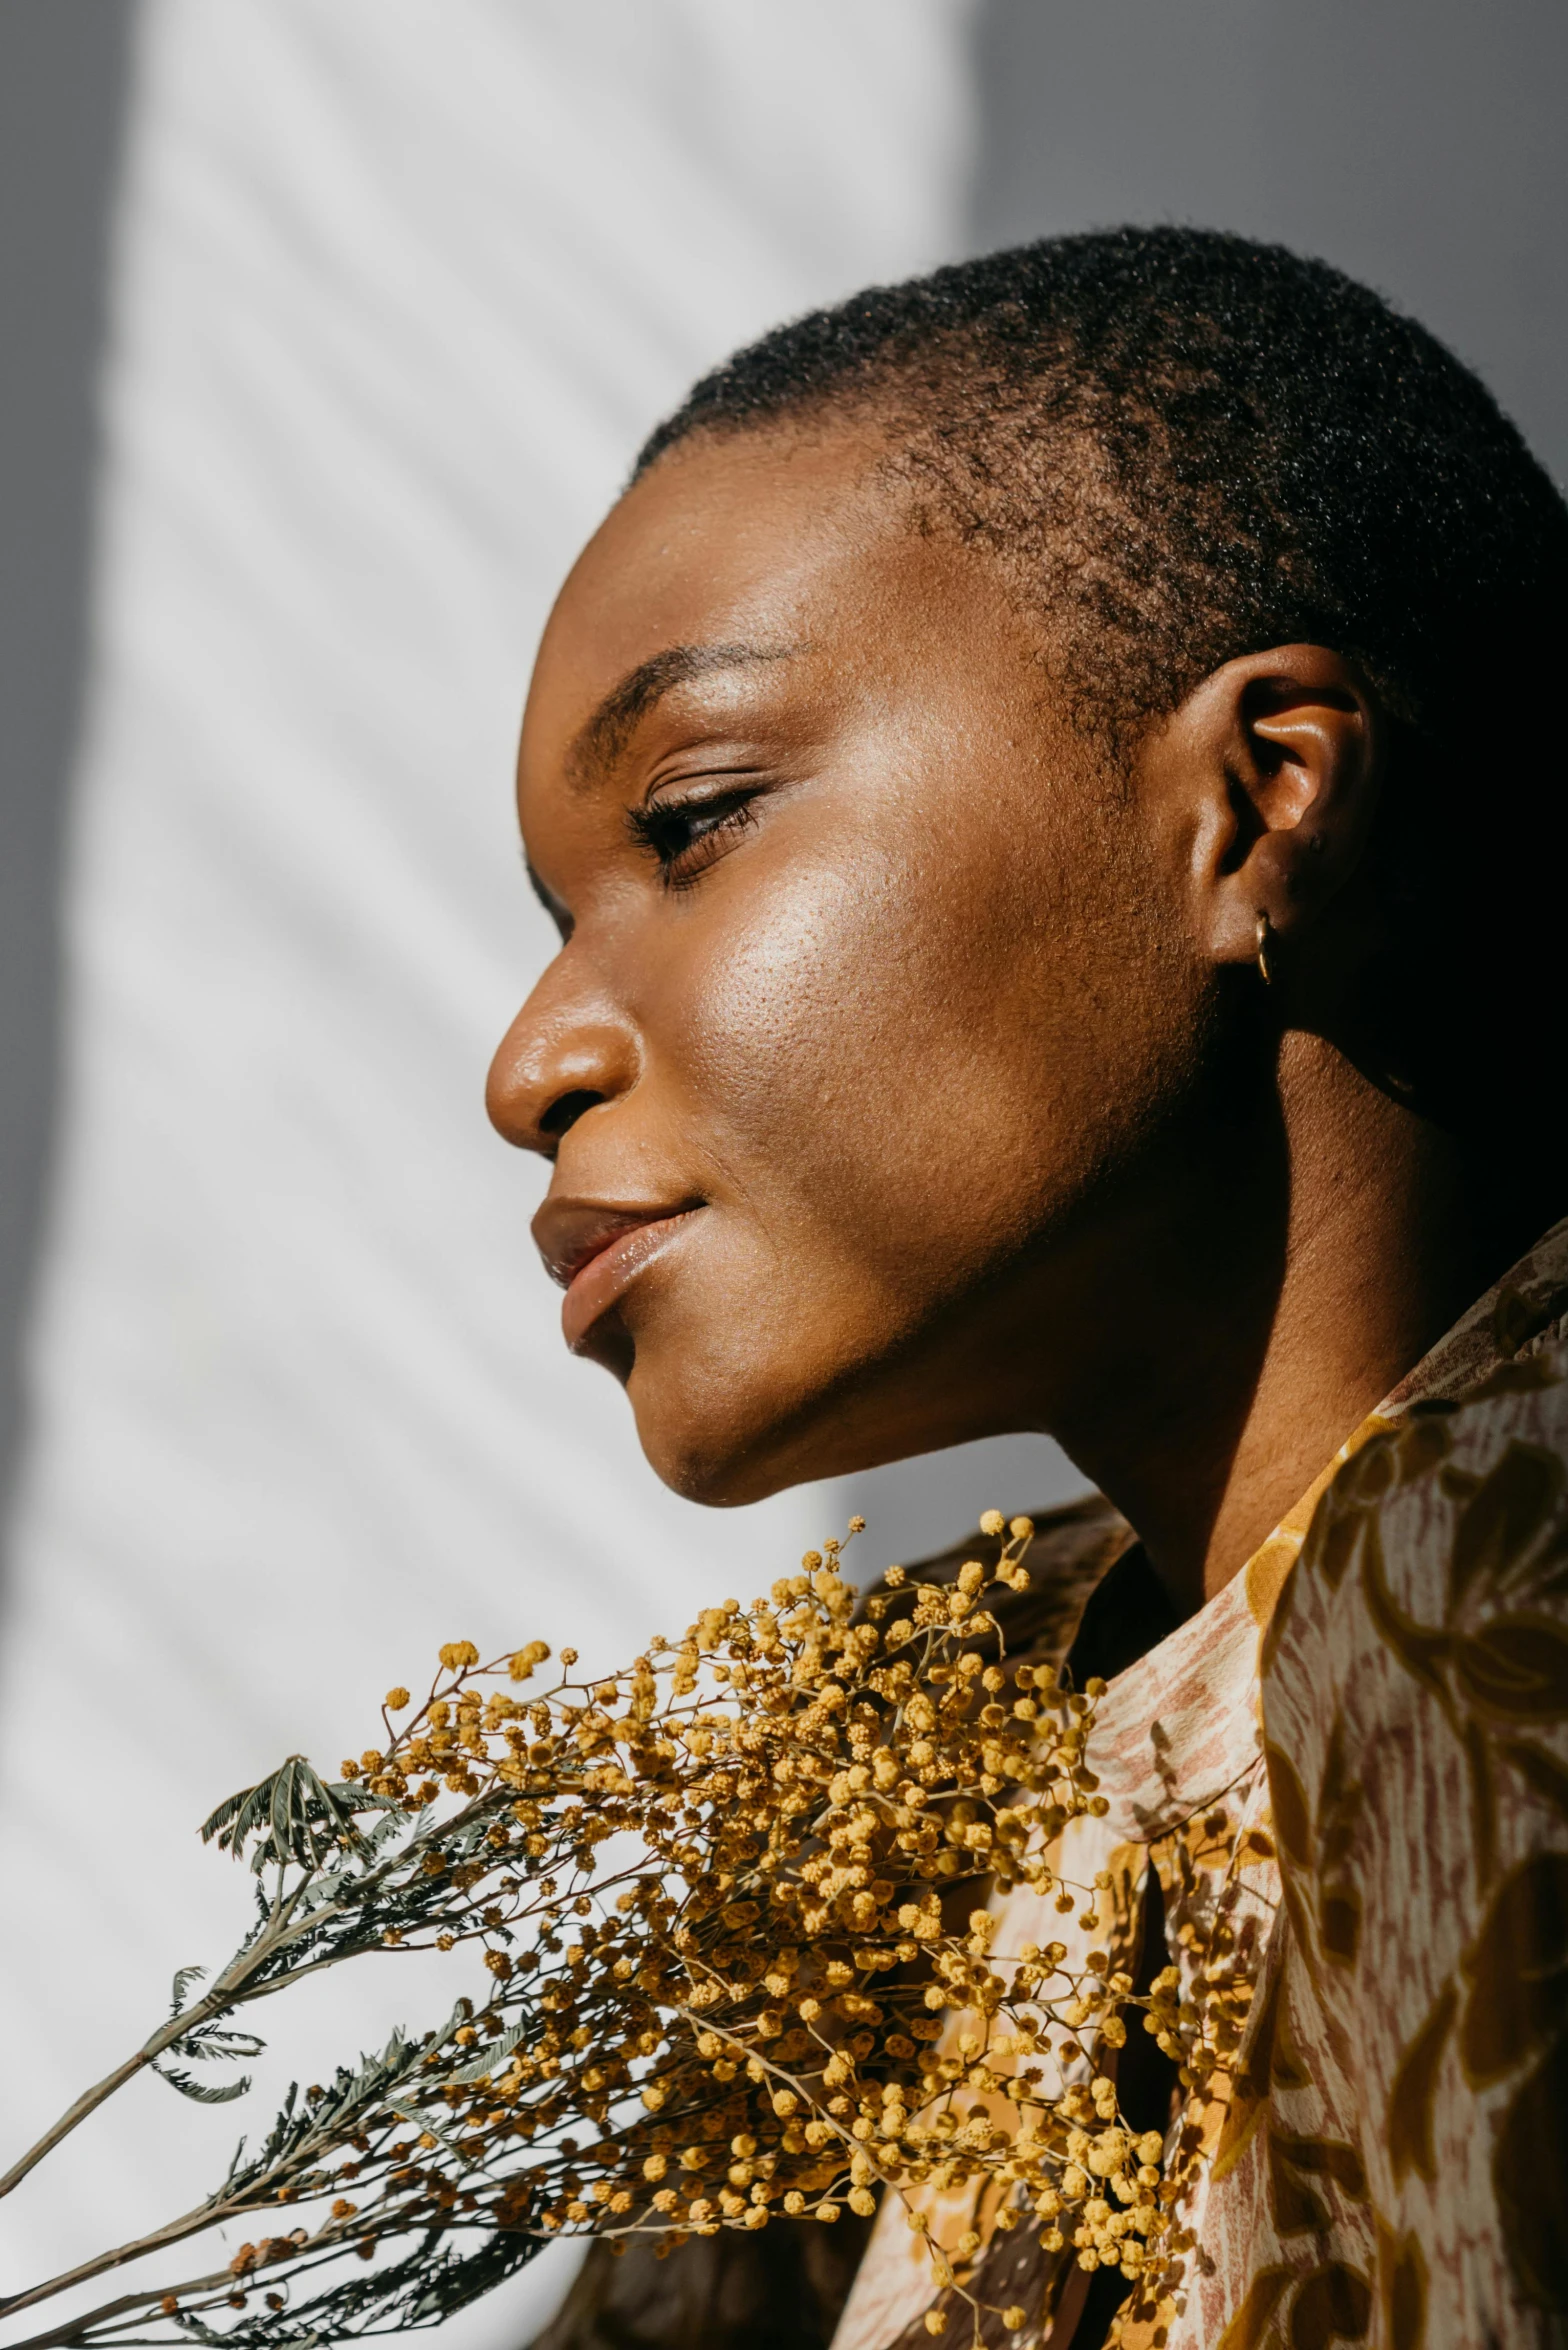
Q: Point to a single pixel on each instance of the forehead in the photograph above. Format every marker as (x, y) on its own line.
(754, 539)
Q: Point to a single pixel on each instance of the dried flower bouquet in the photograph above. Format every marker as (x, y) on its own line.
(710, 1899)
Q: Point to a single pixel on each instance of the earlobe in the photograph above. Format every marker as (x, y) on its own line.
(1294, 751)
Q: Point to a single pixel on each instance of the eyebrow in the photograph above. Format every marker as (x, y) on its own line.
(604, 735)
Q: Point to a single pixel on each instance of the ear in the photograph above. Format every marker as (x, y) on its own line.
(1271, 770)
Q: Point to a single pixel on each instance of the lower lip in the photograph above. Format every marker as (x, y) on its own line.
(605, 1279)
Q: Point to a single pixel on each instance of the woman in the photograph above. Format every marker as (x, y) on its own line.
(1048, 785)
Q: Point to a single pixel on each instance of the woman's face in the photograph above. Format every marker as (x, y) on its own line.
(865, 1002)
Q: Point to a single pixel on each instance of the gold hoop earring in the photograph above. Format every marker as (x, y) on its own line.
(1265, 933)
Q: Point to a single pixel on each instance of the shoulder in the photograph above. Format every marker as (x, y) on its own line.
(1415, 1714)
(1453, 1514)
(1424, 1628)
(1427, 1619)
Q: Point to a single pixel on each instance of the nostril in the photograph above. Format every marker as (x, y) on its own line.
(565, 1111)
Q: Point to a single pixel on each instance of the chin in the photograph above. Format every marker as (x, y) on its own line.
(731, 1409)
(723, 1426)
(726, 1435)
(722, 1466)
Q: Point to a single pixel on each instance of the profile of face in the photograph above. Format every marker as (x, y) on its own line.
(888, 1005)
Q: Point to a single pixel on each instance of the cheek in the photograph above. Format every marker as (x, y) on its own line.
(893, 1065)
(865, 1058)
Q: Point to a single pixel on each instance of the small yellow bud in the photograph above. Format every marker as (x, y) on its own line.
(395, 1700)
(1013, 2319)
(457, 1655)
(991, 1522)
(936, 2321)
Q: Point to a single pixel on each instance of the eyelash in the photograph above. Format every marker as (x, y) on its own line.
(664, 828)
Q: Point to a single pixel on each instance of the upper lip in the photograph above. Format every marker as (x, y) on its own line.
(570, 1233)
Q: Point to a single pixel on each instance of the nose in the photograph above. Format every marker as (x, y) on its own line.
(558, 1060)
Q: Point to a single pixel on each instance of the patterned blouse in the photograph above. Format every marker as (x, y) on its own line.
(1338, 1798)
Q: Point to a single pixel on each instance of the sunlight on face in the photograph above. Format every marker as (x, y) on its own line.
(848, 1013)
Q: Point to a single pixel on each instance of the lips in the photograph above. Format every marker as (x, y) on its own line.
(595, 1251)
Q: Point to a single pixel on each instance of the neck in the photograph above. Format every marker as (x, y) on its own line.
(1257, 1336)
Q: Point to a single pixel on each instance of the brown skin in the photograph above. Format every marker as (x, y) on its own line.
(946, 1040)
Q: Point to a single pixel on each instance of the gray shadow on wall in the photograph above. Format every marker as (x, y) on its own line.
(1418, 144)
(63, 73)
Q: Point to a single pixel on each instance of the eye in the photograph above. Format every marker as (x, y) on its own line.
(687, 836)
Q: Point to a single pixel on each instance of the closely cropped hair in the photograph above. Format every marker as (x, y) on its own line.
(1183, 446)
(1187, 446)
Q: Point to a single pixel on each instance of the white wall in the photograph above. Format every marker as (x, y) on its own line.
(399, 286)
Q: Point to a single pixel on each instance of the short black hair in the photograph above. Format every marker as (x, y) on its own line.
(1185, 446)
(1192, 446)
